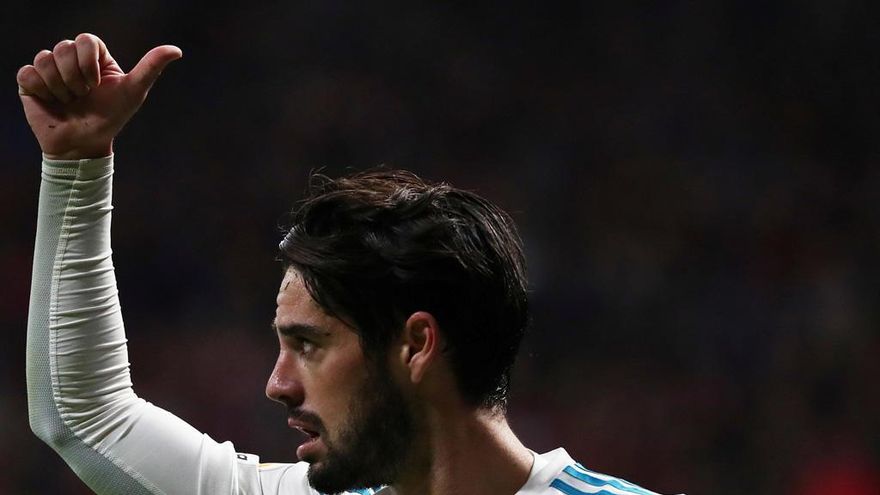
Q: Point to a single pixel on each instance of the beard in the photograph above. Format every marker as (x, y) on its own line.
(373, 446)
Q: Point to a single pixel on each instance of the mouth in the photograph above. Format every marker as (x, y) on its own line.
(310, 431)
(310, 434)
(310, 448)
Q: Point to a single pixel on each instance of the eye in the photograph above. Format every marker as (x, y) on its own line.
(303, 347)
(306, 347)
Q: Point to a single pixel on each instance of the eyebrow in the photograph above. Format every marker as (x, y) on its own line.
(299, 330)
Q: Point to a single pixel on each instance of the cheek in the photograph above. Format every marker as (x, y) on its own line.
(337, 385)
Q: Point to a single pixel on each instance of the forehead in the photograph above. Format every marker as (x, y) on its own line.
(296, 306)
(292, 292)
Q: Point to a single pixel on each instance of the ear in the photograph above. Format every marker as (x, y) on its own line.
(421, 344)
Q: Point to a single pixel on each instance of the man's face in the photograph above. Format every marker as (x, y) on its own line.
(358, 423)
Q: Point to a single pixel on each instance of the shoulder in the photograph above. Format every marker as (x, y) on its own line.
(556, 473)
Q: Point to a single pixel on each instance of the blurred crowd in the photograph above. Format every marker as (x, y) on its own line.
(696, 183)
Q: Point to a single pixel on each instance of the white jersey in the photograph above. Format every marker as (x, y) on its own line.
(553, 473)
(80, 395)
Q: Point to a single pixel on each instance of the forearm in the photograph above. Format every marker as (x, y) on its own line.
(79, 388)
(75, 333)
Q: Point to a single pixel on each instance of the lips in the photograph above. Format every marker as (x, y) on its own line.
(310, 430)
(310, 433)
(310, 450)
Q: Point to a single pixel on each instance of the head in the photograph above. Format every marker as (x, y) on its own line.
(389, 278)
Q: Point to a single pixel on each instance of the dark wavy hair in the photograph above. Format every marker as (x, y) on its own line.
(374, 247)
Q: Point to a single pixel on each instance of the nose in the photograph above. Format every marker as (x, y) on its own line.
(284, 383)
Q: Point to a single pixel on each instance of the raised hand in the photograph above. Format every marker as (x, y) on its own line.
(76, 98)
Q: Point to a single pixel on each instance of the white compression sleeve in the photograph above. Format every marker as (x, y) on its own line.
(80, 396)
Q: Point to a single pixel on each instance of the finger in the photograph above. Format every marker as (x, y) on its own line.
(44, 63)
(31, 84)
(151, 65)
(91, 52)
(66, 61)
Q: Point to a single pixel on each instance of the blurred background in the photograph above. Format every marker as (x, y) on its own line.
(697, 185)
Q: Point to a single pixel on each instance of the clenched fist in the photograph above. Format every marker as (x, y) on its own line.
(76, 97)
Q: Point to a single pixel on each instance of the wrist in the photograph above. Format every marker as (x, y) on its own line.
(86, 153)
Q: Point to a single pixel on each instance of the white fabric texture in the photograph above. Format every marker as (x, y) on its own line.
(81, 399)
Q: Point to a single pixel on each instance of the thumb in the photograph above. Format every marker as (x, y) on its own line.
(145, 73)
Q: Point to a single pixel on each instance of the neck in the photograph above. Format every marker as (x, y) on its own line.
(466, 452)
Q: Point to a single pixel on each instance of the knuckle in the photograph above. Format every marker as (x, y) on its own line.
(43, 57)
(24, 73)
(85, 37)
(64, 46)
(87, 42)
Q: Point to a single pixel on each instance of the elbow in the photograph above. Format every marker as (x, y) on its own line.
(44, 430)
(59, 430)
(49, 428)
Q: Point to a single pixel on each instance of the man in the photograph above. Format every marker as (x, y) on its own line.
(399, 315)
